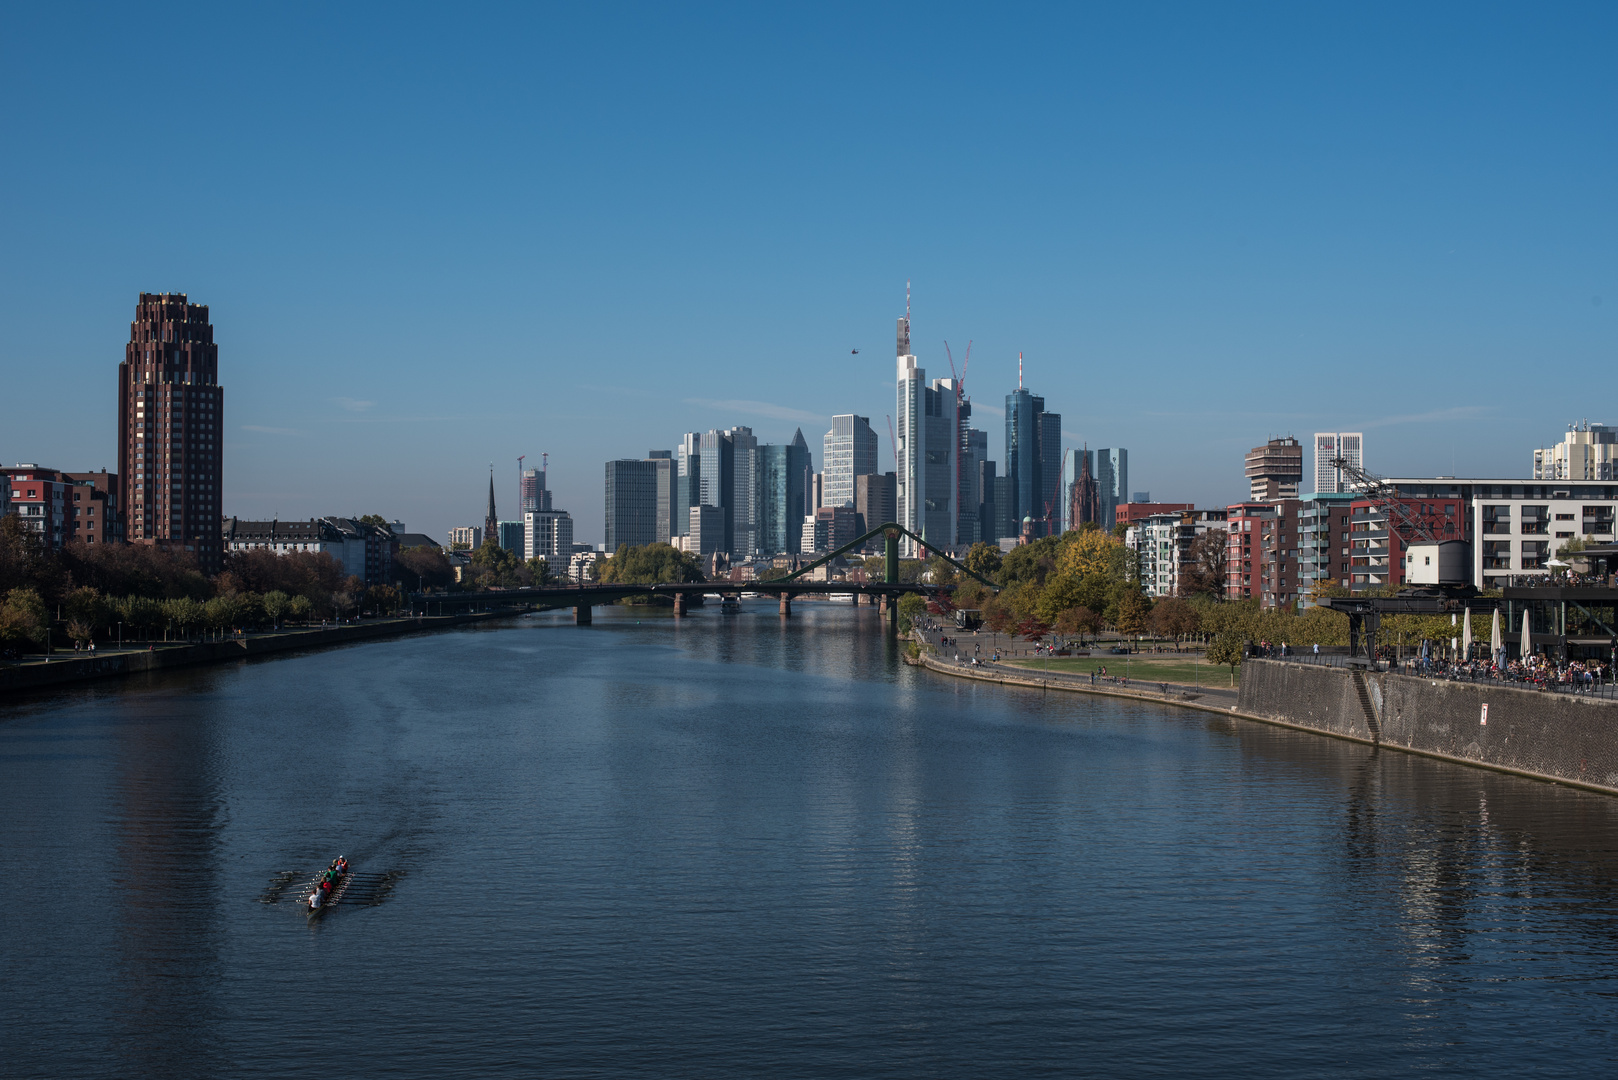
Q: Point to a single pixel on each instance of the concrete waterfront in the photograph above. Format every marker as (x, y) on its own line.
(80, 667)
(1561, 738)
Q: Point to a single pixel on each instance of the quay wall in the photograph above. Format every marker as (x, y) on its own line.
(82, 668)
(1561, 737)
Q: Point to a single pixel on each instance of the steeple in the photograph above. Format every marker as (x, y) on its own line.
(491, 523)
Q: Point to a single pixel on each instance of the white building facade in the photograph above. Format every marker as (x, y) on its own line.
(1587, 452)
(1330, 445)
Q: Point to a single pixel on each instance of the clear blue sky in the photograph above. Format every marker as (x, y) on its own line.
(438, 236)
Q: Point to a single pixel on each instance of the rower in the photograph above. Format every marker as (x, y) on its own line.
(314, 899)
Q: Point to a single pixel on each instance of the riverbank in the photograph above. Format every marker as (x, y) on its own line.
(77, 668)
(1555, 738)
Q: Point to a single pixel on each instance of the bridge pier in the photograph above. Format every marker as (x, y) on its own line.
(786, 604)
(581, 615)
(679, 603)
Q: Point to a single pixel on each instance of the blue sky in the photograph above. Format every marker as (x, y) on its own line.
(435, 237)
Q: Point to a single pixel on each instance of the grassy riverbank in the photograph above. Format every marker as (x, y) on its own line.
(1187, 672)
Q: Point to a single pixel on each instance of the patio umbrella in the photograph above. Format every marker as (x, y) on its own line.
(1527, 645)
(1466, 634)
(1496, 642)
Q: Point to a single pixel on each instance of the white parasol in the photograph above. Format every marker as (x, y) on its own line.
(1496, 641)
(1466, 634)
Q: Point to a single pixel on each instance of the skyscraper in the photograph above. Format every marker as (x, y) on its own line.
(1033, 463)
(631, 504)
(1330, 445)
(170, 412)
(783, 500)
(926, 452)
(874, 503)
(531, 491)
(974, 455)
(848, 450)
(687, 480)
(1112, 483)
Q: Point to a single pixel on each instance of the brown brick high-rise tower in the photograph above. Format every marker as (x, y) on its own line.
(170, 411)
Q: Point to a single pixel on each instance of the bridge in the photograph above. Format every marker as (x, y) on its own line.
(582, 598)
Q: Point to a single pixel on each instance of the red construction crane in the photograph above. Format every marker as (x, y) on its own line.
(1408, 525)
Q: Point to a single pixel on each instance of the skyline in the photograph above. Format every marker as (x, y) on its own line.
(1201, 231)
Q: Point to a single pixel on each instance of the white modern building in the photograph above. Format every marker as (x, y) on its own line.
(1587, 452)
(548, 535)
(927, 485)
(849, 450)
(1330, 445)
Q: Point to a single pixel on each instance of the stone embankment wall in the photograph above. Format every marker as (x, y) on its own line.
(1560, 737)
(73, 668)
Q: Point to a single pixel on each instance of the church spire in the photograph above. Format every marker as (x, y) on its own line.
(491, 523)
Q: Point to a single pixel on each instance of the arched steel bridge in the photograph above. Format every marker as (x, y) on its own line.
(582, 598)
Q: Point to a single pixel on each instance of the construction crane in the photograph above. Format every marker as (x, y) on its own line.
(1409, 526)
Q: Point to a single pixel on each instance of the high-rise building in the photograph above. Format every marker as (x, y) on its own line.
(875, 503)
(969, 501)
(1329, 446)
(782, 499)
(1048, 431)
(531, 491)
(744, 493)
(466, 536)
(1587, 452)
(927, 453)
(988, 521)
(170, 414)
(718, 485)
(663, 462)
(1112, 483)
(548, 535)
(849, 450)
(632, 504)
(687, 480)
(1034, 463)
(705, 531)
(512, 536)
(829, 528)
(1274, 470)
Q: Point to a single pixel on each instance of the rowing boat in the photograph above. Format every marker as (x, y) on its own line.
(337, 889)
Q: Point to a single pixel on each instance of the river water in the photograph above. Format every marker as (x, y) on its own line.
(740, 846)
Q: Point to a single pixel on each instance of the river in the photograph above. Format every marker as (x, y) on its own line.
(742, 846)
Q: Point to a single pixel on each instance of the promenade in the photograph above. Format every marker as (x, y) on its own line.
(64, 668)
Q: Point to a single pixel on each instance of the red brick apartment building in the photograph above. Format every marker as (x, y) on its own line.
(63, 507)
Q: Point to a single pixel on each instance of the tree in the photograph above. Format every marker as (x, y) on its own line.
(87, 607)
(1119, 529)
(300, 608)
(1030, 562)
(910, 605)
(1205, 574)
(539, 571)
(493, 565)
(23, 617)
(1078, 620)
(1133, 609)
(984, 560)
(1226, 648)
(1173, 617)
(940, 571)
(275, 605)
(423, 567)
(652, 564)
(183, 613)
(375, 519)
(1033, 628)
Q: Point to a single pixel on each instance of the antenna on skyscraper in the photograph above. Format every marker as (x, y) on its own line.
(907, 301)
(1019, 371)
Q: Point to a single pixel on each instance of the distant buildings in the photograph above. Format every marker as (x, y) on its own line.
(547, 533)
(829, 528)
(875, 501)
(1034, 464)
(639, 495)
(1084, 494)
(1275, 469)
(1587, 452)
(784, 497)
(511, 536)
(170, 412)
(1112, 482)
(360, 549)
(1329, 446)
(64, 507)
(849, 450)
(466, 536)
(928, 451)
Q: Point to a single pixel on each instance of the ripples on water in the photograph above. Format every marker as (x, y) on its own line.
(737, 847)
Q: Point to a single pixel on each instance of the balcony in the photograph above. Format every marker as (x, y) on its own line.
(1497, 528)
(1535, 528)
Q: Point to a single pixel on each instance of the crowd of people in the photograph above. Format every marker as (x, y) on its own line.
(321, 893)
(1539, 672)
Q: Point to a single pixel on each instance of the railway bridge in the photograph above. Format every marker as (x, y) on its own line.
(583, 597)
